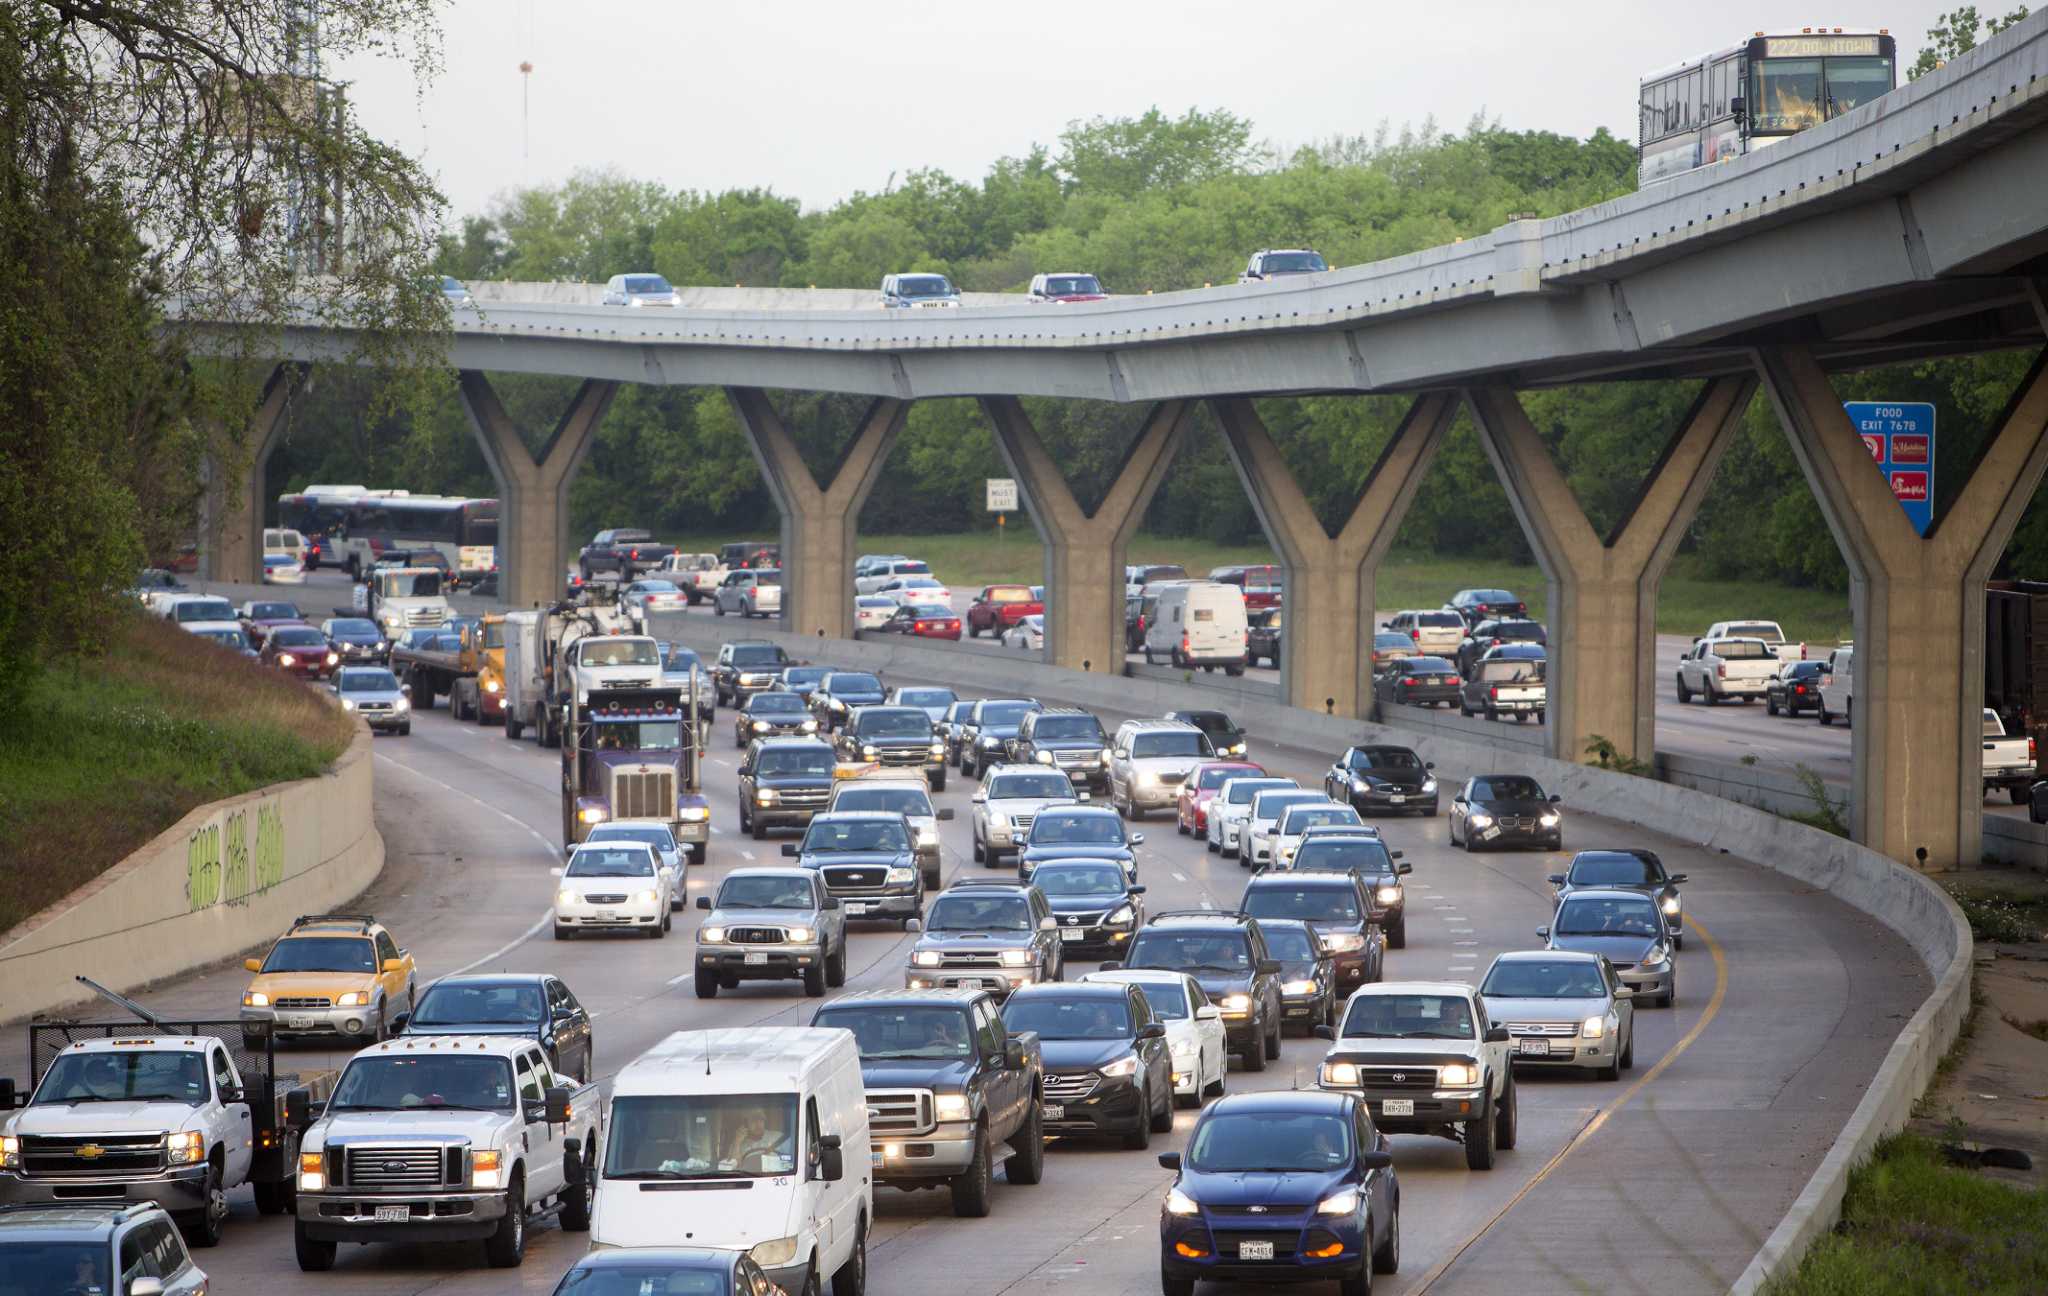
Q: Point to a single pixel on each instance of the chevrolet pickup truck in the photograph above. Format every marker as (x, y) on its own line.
(1768, 631)
(1718, 670)
(1426, 1060)
(948, 1089)
(2008, 761)
(442, 1138)
(623, 553)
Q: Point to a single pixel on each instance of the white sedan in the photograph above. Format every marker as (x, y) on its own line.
(661, 839)
(917, 589)
(1028, 634)
(872, 611)
(612, 886)
(1194, 1029)
(283, 569)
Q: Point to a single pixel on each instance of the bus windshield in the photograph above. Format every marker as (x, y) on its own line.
(1792, 94)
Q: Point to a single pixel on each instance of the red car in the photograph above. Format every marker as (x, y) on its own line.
(1191, 807)
(260, 616)
(1264, 584)
(300, 650)
(925, 620)
(998, 607)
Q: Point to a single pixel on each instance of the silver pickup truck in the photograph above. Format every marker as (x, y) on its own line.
(1427, 1060)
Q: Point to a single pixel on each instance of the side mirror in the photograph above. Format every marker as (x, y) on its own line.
(789, 849)
(1375, 1160)
(146, 1286)
(831, 903)
(405, 689)
(1013, 1055)
(979, 798)
(1208, 1012)
(1398, 855)
(394, 965)
(556, 1107)
(913, 924)
(398, 1022)
(1152, 1031)
(1556, 879)
(1429, 765)
(252, 965)
(1111, 965)
(1169, 1160)
(1544, 932)
(1496, 1034)
(298, 1109)
(1269, 967)
(233, 1094)
(1137, 839)
(1322, 1032)
(704, 902)
(1121, 754)
(831, 1163)
(946, 815)
(1137, 890)
(1048, 923)
(555, 872)
(1555, 798)
(1624, 993)
(1676, 878)
(1404, 867)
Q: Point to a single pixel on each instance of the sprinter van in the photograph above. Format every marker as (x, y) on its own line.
(1198, 623)
(754, 1139)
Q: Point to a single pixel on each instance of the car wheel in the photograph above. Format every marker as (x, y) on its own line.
(980, 853)
(1139, 1136)
(313, 1256)
(1684, 693)
(835, 966)
(1397, 935)
(1026, 1165)
(506, 1247)
(939, 781)
(707, 984)
(1770, 705)
(1510, 1116)
(814, 980)
(1479, 1141)
(1214, 848)
(210, 1221)
(972, 1187)
(1386, 1258)
(1255, 1056)
(1180, 825)
(851, 1278)
(1172, 1286)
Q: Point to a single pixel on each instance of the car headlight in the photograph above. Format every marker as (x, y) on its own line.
(1457, 1075)
(1043, 758)
(835, 704)
(801, 935)
(1340, 1074)
(1181, 1048)
(1179, 1203)
(694, 814)
(990, 740)
(1299, 987)
(381, 646)
(403, 704)
(185, 1147)
(1343, 1203)
(332, 658)
(567, 897)
(952, 1107)
(868, 750)
(1017, 958)
(775, 1254)
(810, 726)
(1105, 760)
(1360, 785)
(1235, 749)
(1670, 906)
(925, 958)
(1550, 820)
(1121, 915)
(711, 935)
(1121, 1069)
(347, 705)
(760, 726)
(1389, 894)
(646, 897)
(485, 1168)
(1145, 778)
(1593, 1027)
(1480, 819)
(353, 999)
(255, 999)
(285, 659)
(593, 814)
(1343, 942)
(1657, 957)
(767, 797)
(899, 875)
(312, 1172)
(927, 837)
(490, 686)
(10, 1152)
(1236, 1004)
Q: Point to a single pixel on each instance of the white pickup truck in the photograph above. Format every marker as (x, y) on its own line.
(2008, 761)
(443, 1138)
(1768, 631)
(1427, 1060)
(1720, 669)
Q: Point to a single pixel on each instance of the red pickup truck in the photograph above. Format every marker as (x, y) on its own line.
(998, 607)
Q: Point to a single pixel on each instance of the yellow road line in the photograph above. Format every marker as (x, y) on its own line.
(1592, 1126)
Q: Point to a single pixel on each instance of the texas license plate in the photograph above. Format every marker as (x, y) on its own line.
(1255, 1250)
(1533, 1047)
(855, 909)
(393, 1214)
(1489, 834)
(607, 915)
(755, 960)
(1398, 1107)
(1055, 1111)
(298, 1023)
(1397, 798)
(1071, 933)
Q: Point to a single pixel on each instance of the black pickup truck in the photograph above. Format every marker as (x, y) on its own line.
(624, 552)
(947, 1088)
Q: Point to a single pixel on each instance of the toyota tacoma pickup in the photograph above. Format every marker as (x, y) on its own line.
(442, 1138)
(948, 1088)
(1426, 1060)
(623, 552)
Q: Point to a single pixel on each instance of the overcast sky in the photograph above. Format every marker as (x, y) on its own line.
(819, 98)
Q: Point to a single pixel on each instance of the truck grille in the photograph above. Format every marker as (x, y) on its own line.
(900, 1111)
(1397, 1078)
(804, 798)
(756, 935)
(424, 616)
(376, 1166)
(303, 1001)
(1066, 1088)
(855, 877)
(900, 755)
(1071, 759)
(596, 899)
(969, 959)
(43, 1154)
(644, 796)
(1552, 1030)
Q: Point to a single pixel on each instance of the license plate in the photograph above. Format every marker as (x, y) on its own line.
(1055, 1111)
(393, 1214)
(1397, 798)
(1533, 1047)
(755, 960)
(298, 1023)
(1489, 834)
(1071, 933)
(854, 909)
(607, 915)
(1398, 1107)
(1255, 1250)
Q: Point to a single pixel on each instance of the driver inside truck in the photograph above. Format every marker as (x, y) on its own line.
(611, 738)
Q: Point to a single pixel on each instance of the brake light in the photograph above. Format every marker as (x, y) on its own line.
(1184, 643)
(1799, 688)
(1454, 681)
(2030, 750)
(922, 626)
(1493, 692)
(1720, 670)
(1407, 679)
(632, 553)
(1494, 644)
(1416, 635)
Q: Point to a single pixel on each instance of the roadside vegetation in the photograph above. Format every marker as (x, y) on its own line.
(107, 751)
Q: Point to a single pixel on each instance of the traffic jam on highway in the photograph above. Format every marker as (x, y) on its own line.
(1046, 991)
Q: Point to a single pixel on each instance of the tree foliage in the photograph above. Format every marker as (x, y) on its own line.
(1956, 34)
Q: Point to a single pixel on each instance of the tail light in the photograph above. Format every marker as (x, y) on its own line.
(2030, 751)
(1416, 635)
(922, 626)
(1802, 652)
(1799, 688)
(632, 553)
(1494, 644)
(1454, 681)
(1408, 680)
(1493, 692)
(1720, 671)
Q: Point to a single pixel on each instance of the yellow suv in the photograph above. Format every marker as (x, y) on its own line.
(338, 975)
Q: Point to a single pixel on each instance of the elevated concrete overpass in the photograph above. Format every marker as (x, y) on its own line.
(1915, 226)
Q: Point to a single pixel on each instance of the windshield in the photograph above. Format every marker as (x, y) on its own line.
(1518, 630)
(776, 704)
(1297, 821)
(1400, 758)
(1009, 913)
(1169, 999)
(1488, 597)
(1067, 727)
(1054, 829)
(1000, 714)
(789, 762)
(1511, 670)
(1190, 951)
(1242, 791)
(273, 612)
(1022, 787)
(939, 1031)
(759, 655)
(1169, 743)
(1741, 650)
(655, 835)
(889, 800)
(925, 697)
(1506, 788)
(1072, 286)
(1353, 854)
(1272, 1142)
(601, 862)
(803, 676)
(1614, 869)
(1324, 903)
(1069, 1017)
(205, 610)
(1209, 722)
(67, 1267)
(766, 893)
(394, 1083)
(893, 724)
(1272, 804)
(922, 286)
(701, 1136)
(156, 1074)
(1293, 262)
(368, 681)
(638, 735)
(1388, 641)
(1009, 594)
(676, 658)
(345, 626)
(645, 1278)
(425, 584)
(646, 284)
(909, 567)
(1544, 979)
(845, 683)
(836, 835)
(1409, 1016)
(1212, 777)
(226, 637)
(658, 587)
(480, 1005)
(1597, 917)
(1792, 94)
(1079, 879)
(609, 651)
(1287, 943)
(322, 954)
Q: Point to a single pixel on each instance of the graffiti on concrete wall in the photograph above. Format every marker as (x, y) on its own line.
(235, 855)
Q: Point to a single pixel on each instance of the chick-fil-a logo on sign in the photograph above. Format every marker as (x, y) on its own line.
(1900, 438)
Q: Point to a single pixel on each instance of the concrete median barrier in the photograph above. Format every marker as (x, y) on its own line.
(223, 878)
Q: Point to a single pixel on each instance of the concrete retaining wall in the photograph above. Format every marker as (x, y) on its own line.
(225, 877)
(1894, 895)
(709, 297)
(2016, 841)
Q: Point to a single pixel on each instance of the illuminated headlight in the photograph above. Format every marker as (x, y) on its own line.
(1343, 942)
(775, 1254)
(1286, 852)
(991, 741)
(1481, 820)
(1121, 1069)
(952, 1107)
(925, 958)
(1236, 1005)
(1237, 749)
(1105, 760)
(646, 897)
(484, 1168)
(1146, 778)
(801, 935)
(694, 814)
(810, 726)
(1389, 894)
(1593, 1027)
(567, 897)
(711, 935)
(1458, 1075)
(185, 1148)
(767, 797)
(937, 749)
(312, 1172)
(1043, 758)
(1179, 1203)
(347, 705)
(868, 750)
(1428, 786)
(760, 726)
(899, 876)
(1122, 915)
(1181, 1048)
(1550, 820)
(1670, 906)
(331, 659)
(1299, 987)
(835, 704)
(10, 1152)
(255, 999)
(927, 837)
(1360, 785)
(381, 646)
(403, 704)
(592, 814)
(353, 999)
(285, 659)
(1017, 958)
(1343, 1203)
(490, 686)
(1340, 1074)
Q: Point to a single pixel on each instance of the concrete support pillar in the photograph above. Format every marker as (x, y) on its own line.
(231, 528)
(1326, 653)
(1916, 771)
(818, 523)
(1603, 591)
(533, 493)
(1084, 552)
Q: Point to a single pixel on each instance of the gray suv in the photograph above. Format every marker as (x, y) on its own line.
(771, 924)
(83, 1246)
(993, 936)
(1067, 739)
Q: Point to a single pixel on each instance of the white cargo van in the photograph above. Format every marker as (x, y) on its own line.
(1838, 689)
(755, 1139)
(1199, 623)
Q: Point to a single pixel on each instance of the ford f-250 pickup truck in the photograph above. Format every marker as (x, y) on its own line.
(948, 1087)
(443, 1138)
